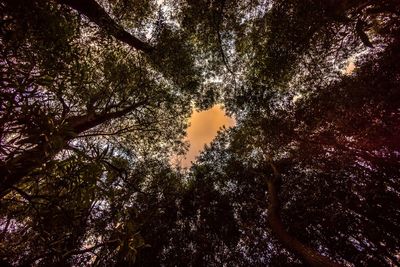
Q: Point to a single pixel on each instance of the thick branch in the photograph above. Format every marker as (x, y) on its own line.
(83, 123)
(13, 171)
(96, 14)
(311, 256)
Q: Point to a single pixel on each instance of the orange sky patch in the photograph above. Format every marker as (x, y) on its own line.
(351, 66)
(202, 130)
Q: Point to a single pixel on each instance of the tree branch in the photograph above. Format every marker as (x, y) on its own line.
(96, 14)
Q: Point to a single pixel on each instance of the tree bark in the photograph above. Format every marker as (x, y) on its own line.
(15, 169)
(83, 123)
(311, 256)
(96, 14)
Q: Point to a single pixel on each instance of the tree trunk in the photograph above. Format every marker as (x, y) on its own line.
(311, 256)
(96, 14)
(15, 169)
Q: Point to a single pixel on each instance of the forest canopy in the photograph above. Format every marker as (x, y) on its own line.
(95, 97)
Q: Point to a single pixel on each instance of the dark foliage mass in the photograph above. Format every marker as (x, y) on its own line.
(94, 102)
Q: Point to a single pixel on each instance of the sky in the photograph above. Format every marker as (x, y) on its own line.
(202, 130)
(350, 66)
(205, 124)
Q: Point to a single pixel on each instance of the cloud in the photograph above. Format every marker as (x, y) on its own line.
(202, 130)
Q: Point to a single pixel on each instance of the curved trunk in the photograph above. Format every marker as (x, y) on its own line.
(311, 256)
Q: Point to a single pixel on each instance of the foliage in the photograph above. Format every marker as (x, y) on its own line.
(94, 103)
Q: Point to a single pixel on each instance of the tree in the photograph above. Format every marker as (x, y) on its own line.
(94, 101)
(70, 115)
(317, 151)
(80, 113)
(342, 130)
